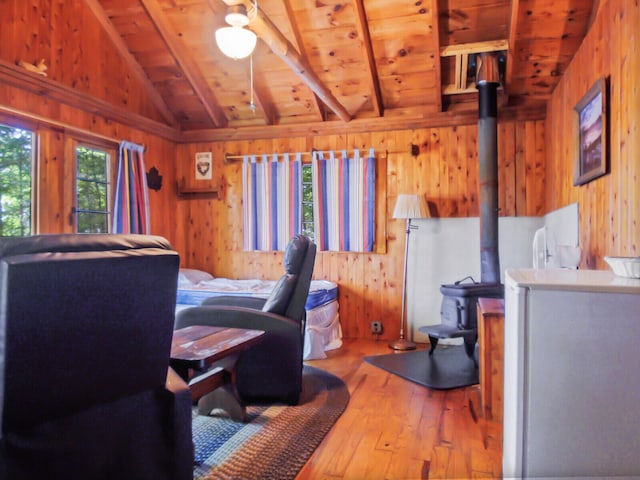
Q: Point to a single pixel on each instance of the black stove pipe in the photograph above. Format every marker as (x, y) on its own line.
(487, 82)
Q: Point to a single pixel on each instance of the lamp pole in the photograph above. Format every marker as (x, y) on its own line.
(402, 343)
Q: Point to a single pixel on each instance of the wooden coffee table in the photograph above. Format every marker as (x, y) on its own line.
(205, 357)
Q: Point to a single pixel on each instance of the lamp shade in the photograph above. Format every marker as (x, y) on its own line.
(236, 42)
(411, 206)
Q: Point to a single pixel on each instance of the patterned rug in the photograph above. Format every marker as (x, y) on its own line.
(276, 441)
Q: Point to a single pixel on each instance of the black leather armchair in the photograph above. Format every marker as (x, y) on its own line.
(85, 385)
(271, 370)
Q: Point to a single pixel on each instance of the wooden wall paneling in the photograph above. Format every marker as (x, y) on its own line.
(222, 204)
(540, 172)
(460, 170)
(26, 29)
(373, 279)
(420, 165)
(433, 191)
(616, 140)
(534, 184)
(608, 205)
(621, 215)
(468, 156)
(506, 169)
(160, 153)
(633, 239)
(443, 168)
(8, 23)
(473, 173)
(51, 205)
(453, 172)
(76, 50)
(394, 264)
(521, 173)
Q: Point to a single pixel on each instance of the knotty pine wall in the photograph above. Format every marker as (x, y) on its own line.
(75, 48)
(609, 206)
(82, 62)
(370, 284)
(55, 164)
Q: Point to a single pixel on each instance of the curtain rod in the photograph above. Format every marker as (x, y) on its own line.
(31, 117)
(228, 158)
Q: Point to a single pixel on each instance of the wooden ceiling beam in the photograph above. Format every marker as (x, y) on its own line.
(130, 60)
(317, 104)
(435, 32)
(279, 45)
(361, 125)
(594, 13)
(362, 26)
(185, 60)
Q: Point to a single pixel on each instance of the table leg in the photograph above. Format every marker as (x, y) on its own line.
(223, 398)
(222, 394)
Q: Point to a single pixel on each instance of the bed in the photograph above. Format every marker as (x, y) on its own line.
(323, 331)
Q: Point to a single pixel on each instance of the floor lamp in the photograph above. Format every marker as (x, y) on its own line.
(409, 207)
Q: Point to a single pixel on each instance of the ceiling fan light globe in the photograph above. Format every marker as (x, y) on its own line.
(236, 42)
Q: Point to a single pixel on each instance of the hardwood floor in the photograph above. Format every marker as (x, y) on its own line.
(395, 429)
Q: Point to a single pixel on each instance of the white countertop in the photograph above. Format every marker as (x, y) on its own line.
(574, 280)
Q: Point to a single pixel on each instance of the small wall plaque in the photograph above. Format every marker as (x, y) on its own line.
(204, 165)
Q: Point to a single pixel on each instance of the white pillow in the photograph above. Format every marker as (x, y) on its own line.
(188, 277)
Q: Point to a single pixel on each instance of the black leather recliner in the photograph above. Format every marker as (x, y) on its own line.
(85, 386)
(271, 370)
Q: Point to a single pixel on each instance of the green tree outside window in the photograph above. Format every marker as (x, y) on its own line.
(16, 160)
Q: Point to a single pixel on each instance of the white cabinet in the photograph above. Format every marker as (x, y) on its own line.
(572, 374)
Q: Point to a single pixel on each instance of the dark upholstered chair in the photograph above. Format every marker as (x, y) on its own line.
(271, 370)
(86, 391)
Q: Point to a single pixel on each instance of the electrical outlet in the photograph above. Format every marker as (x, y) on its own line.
(376, 328)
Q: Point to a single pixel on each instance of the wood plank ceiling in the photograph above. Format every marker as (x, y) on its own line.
(341, 60)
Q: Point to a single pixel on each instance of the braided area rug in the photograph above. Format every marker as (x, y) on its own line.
(276, 440)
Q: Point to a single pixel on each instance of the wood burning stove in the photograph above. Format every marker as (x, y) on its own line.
(458, 308)
(458, 312)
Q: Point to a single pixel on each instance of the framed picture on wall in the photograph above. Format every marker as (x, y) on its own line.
(204, 165)
(591, 134)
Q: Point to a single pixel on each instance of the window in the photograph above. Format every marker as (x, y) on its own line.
(92, 190)
(16, 164)
(307, 201)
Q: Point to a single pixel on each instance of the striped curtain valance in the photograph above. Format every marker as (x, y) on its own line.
(344, 200)
(272, 201)
(131, 204)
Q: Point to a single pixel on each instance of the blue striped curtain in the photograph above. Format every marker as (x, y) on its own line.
(343, 201)
(272, 201)
(131, 205)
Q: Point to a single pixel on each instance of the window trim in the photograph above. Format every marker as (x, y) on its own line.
(35, 155)
(112, 151)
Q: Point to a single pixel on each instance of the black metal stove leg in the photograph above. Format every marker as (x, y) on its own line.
(434, 343)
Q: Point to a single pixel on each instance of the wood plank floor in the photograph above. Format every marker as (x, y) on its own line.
(395, 429)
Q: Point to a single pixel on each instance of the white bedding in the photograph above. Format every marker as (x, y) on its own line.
(323, 331)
